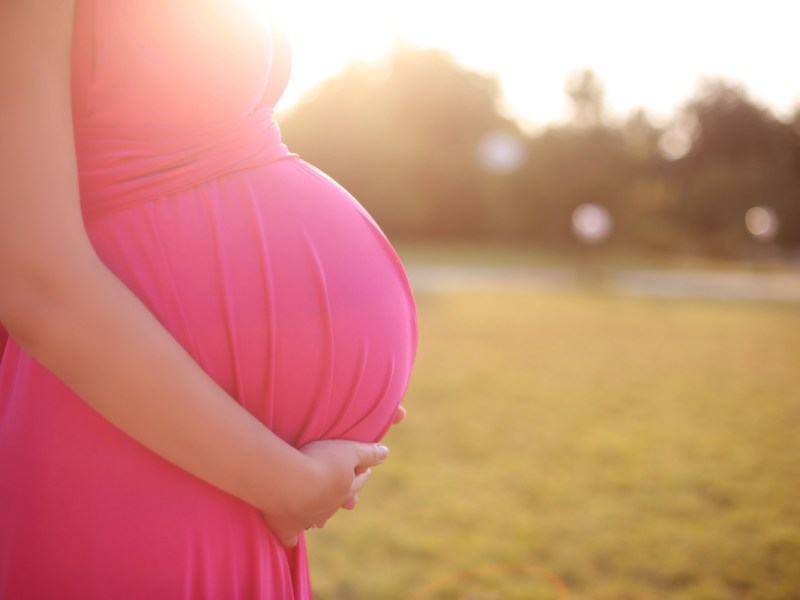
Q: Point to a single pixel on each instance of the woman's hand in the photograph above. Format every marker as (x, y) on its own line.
(351, 502)
(346, 466)
(334, 472)
(399, 415)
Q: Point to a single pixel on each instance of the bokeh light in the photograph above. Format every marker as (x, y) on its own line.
(762, 223)
(591, 223)
(674, 143)
(677, 139)
(501, 152)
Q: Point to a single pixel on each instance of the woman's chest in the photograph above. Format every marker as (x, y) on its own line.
(176, 61)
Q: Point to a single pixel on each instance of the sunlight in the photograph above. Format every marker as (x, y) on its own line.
(647, 54)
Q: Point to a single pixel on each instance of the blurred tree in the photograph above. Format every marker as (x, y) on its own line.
(587, 97)
(569, 167)
(408, 135)
(794, 119)
(741, 157)
(403, 137)
(650, 196)
(584, 161)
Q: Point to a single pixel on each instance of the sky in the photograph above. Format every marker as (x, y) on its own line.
(647, 53)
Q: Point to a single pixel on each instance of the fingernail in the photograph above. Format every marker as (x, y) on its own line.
(383, 452)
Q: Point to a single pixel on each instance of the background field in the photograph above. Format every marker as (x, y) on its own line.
(585, 445)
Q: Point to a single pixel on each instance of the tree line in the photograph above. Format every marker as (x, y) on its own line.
(423, 143)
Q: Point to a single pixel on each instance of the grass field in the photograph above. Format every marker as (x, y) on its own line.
(584, 446)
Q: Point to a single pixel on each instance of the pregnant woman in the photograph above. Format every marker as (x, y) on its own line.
(206, 336)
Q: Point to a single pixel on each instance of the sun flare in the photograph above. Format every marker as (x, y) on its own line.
(648, 55)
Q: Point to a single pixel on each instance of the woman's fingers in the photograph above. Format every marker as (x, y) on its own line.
(360, 480)
(351, 502)
(342, 470)
(370, 455)
(399, 415)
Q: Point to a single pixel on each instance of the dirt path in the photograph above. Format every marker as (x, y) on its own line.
(686, 283)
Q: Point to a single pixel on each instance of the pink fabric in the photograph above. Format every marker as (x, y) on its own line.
(266, 271)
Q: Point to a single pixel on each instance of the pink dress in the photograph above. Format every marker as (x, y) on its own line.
(274, 279)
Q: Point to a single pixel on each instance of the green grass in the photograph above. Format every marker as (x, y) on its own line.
(612, 447)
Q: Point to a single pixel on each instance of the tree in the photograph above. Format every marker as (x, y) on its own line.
(405, 134)
(742, 156)
(402, 135)
(587, 97)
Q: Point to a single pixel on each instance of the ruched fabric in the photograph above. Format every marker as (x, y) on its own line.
(273, 278)
(124, 165)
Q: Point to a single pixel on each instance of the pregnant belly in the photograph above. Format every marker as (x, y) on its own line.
(283, 289)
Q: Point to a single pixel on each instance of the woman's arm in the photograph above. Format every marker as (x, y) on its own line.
(67, 309)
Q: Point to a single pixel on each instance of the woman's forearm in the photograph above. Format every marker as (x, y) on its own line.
(82, 323)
